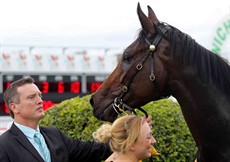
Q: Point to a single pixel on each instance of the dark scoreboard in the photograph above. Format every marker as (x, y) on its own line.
(55, 87)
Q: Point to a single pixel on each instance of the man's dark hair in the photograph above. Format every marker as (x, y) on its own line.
(11, 94)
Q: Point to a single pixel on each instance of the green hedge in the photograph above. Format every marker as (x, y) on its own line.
(75, 118)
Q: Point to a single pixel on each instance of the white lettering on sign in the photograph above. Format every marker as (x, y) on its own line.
(74, 78)
(100, 78)
(42, 78)
(58, 78)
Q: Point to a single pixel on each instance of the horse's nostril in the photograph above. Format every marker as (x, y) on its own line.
(91, 101)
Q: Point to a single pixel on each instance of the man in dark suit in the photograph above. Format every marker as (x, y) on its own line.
(18, 144)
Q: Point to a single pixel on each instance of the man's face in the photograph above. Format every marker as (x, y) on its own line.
(30, 106)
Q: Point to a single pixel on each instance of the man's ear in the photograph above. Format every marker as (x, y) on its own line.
(13, 108)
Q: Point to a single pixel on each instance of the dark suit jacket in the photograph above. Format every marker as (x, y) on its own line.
(15, 147)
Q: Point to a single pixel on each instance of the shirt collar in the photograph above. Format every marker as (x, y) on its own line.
(29, 132)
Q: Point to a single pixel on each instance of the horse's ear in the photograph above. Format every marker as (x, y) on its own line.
(152, 16)
(146, 24)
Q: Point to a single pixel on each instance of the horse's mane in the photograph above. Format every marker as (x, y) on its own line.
(209, 66)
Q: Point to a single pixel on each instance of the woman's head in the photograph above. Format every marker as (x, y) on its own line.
(125, 133)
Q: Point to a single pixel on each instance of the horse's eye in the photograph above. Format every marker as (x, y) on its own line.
(127, 57)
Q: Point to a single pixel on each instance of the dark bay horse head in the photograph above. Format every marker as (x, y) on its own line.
(128, 83)
(164, 61)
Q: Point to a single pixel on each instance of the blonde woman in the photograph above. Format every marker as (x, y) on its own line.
(130, 138)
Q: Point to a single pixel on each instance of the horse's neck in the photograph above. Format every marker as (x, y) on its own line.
(201, 100)
(206, 111)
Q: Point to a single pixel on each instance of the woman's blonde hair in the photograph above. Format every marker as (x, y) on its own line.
(121, 134)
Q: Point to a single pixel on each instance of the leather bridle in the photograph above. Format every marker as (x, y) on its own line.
(118, 105)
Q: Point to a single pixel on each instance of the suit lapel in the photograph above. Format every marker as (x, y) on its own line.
(50, 145)
(22, 139)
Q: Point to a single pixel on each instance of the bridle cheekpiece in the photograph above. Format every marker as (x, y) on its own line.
(118, 105)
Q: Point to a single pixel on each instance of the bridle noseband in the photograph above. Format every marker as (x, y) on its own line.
(118, 105)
